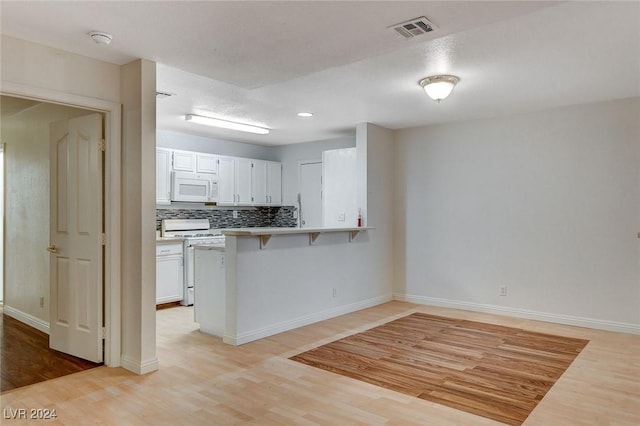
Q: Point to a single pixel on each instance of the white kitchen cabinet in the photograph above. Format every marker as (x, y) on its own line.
(169, 272)
(226, 181)
(243, 181)
(274, 183)
(163, 176)
(184, 161)
(207, 163)
(234, 182)
(259, 183)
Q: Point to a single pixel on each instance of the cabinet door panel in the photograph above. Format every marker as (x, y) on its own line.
(207, 163)
(274, 183)
(184, 161)
(243, 181)
(169, 279)
(163, 176)
(259, 183)
(226, 181)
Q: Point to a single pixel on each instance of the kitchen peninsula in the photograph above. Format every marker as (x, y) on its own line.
(277, 279)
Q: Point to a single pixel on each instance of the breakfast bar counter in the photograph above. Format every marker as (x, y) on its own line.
(277, 279)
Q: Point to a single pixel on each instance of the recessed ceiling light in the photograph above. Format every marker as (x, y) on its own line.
(101, 37)
(305, 114)
(216, 122)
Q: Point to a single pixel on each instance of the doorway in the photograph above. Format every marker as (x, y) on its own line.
(26, 213)
(310, 195)
(112, 112)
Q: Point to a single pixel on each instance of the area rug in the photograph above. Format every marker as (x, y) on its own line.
(489, 370)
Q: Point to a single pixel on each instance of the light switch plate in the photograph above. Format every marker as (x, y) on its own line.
(341, 217)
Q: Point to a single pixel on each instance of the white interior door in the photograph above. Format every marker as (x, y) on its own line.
(76, 248)
(311, 194)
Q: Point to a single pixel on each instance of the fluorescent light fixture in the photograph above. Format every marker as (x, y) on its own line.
(216, 122)
(305, 114)
(439, 87)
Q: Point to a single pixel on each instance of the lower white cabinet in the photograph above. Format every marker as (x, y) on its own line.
(169, 272)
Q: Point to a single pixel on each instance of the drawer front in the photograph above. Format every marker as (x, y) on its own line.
(168, 249)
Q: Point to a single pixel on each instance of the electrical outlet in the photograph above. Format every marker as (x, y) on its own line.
(235, 214)
(503, 290)
(295, 214)
(335, 292)
(341, 217)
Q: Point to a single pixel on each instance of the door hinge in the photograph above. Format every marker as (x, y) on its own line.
(103, 239)
(101, 145)
(103, 333)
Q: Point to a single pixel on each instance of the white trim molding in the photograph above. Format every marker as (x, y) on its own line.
(250, 336)
(140, 367)
(30, 320)
(619, 327)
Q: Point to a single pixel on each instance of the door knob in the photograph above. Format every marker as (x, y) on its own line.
(52, 249)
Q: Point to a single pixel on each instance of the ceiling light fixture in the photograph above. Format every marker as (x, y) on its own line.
(100, 37)
(305, 114)
(439, 87)
(216, 122)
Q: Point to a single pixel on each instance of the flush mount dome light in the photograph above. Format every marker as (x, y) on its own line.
(305, 114)
(100, 37)
(439, 87)
(216, 122)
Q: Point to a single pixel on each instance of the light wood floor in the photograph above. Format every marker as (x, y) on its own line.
(202, 381)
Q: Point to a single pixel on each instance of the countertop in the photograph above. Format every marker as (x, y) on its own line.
(281, 231)
(168, 240)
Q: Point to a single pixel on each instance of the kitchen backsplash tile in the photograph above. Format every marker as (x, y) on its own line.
(280, 217)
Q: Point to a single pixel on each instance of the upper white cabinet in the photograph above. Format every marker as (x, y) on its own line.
(184, 161)
(187, 161)
(207, 163)
(243, 181)
(234, 181)
(274, 183)
(163, 176)
(259, 183)
(226, 181)
(240, 181)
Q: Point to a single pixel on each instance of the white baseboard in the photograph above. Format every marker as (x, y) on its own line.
(619, 327)
(139, 367)
(280, 327)
(30, 320)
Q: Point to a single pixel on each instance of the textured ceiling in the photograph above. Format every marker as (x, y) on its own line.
(262, 62)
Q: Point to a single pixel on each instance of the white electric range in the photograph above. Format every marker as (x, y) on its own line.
(195, 232)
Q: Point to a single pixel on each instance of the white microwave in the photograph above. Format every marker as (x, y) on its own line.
(194, 187)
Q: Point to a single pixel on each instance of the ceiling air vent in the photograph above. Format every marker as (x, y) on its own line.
(414, 27)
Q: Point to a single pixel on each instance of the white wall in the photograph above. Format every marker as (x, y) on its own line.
(175, 140)
(546, 203)
(35, 65)
(291, 155)
(339, 188)
(26, 139)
